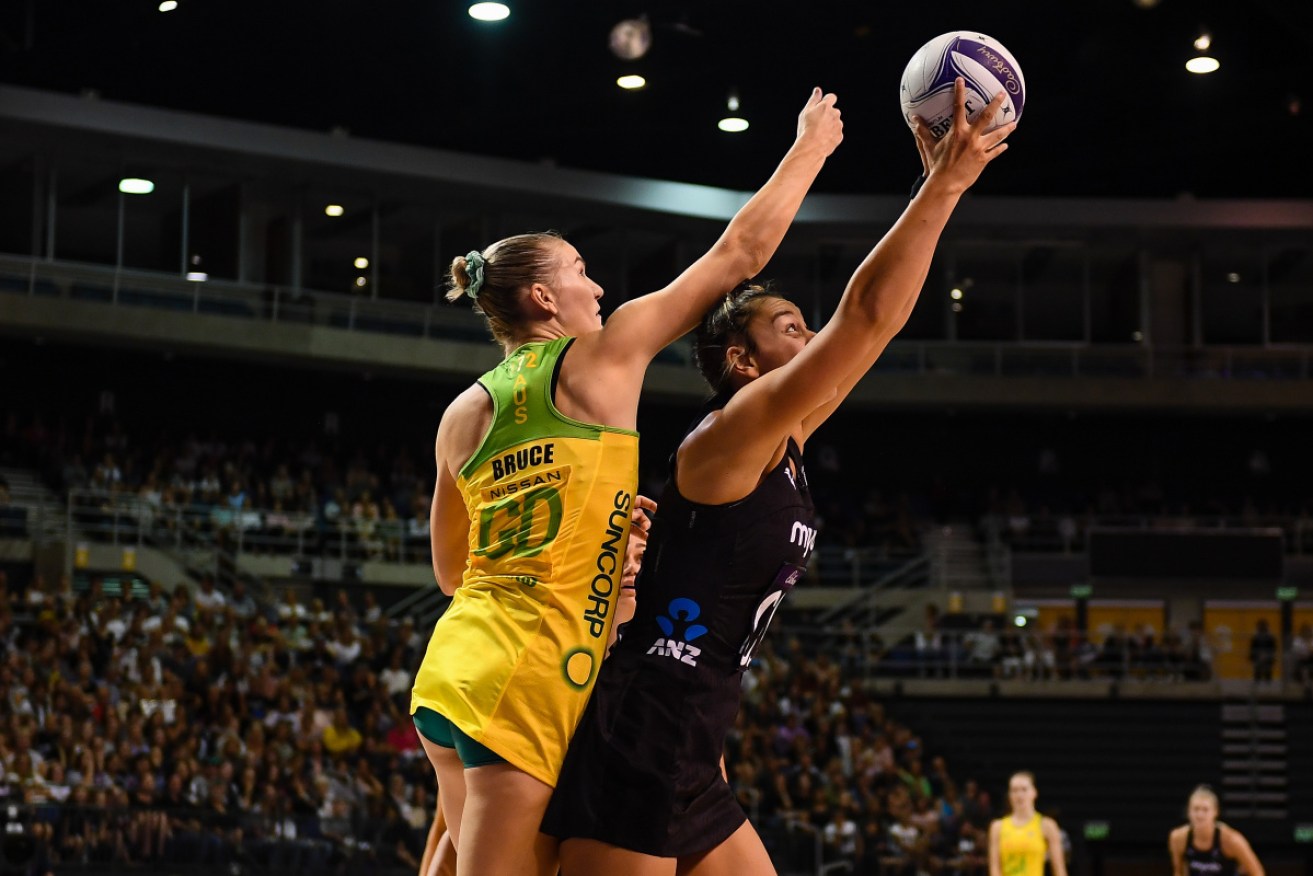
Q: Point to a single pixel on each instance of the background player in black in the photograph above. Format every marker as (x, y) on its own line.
(1206, 847)
(643, 790)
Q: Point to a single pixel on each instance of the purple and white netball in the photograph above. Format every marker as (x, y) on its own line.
(987, 68)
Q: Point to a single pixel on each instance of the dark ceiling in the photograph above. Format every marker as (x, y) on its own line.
(1110, 109)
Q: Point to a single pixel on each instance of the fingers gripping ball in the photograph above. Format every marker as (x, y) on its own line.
(987, 67)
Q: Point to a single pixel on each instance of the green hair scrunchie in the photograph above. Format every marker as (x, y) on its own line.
(474, 263)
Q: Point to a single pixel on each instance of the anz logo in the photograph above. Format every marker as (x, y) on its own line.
(683, 611)
(803, 536)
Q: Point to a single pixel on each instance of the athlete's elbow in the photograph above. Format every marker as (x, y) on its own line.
(746, 251)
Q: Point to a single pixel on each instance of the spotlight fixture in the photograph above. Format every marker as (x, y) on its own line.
(631, 82)
(362, 262)
(1233, 277)
(1202, 63)
(956, 294)
(361, 281)
(133, 186)
(168, 5)
(732, 123)
(334, 210)
(490, 11)
(197, 276)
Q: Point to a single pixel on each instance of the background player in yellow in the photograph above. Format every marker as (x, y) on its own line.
(1020, 842)
(537, 468)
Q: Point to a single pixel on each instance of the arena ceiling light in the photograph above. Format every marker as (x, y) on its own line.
(1202, 63)
(631, 82)
(361, 262)
(197, 276)
(168, 5)
(334, 210)
(732, 123)
(490, 11)
(132, 185)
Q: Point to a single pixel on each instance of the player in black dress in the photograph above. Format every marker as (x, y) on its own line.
(643, 789)
(1206, 846)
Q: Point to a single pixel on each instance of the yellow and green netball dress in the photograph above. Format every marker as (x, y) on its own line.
(1021, 849)
(514, 658)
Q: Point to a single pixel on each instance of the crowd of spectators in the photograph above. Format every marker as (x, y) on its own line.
(813, 758)
(276, 495)
(987, 646)
(319, 496)
(325, 493)
(197, 728)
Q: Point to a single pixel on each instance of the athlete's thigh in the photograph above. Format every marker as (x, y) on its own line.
(499, 830)
(451, 784)
(742, 854)
(590, 857)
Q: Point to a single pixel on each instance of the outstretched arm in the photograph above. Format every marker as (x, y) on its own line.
(875, 305)
(894, 273)
(639, 329)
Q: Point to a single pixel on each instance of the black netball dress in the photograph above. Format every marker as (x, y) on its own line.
(643, 769)
(1210, 862)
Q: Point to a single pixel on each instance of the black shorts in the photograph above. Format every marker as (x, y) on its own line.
(643, 769)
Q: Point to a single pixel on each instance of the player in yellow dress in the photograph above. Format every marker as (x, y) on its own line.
(1021, 841)
(537, 471)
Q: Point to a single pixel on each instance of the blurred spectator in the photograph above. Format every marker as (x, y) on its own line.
(1301, 654)
(340, 737)
(1263, 651)
(983, 645)
(207, 596)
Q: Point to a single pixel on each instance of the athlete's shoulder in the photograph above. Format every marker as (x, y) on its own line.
(1178, 835)
(463, 425)
(469, 411)
(1231, 838)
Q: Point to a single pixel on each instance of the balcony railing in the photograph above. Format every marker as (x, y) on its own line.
(1012, 359)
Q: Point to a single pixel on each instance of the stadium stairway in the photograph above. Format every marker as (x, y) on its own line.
(44, 509)
(1299, 735)
(1255, 761)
